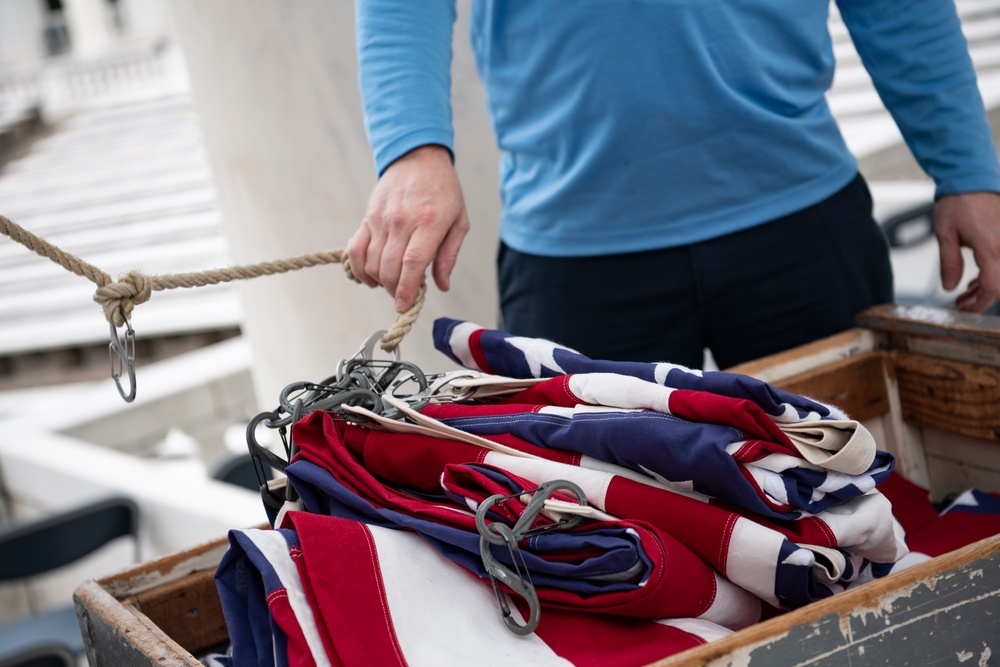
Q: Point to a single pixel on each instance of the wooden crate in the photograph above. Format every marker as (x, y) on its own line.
(926, 382)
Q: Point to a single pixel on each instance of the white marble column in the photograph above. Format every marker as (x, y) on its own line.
(275, 84)
(145, 19)
(89, 23)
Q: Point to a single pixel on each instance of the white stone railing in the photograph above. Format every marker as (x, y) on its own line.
(62, 85)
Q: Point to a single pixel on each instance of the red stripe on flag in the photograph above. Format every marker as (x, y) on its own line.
(346, 581)
(476, 348)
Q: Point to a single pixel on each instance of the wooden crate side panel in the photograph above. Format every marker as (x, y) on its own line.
(942, 611)
(188, 611)
(952, 396)
(902, 439)
(115, 636)
(959, 462)
(856, 385)
(796, 361)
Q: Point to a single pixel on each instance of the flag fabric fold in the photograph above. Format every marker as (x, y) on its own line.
(330, 591)
(646, 572)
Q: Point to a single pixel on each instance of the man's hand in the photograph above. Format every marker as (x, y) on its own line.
(416, 215)
(970, 219)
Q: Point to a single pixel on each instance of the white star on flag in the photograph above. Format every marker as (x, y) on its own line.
(538, 353)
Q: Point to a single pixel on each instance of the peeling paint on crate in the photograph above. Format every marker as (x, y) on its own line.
(883, 606)
(845, 629)
(944, 616)
(168, 569)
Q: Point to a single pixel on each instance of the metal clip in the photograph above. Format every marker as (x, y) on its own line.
(365, 352)
(123, 357)
(518, 579)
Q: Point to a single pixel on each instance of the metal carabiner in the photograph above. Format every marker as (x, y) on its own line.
(518, 579)
(123, 358)
(365, 353)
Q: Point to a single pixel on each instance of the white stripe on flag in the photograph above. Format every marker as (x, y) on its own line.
(753, 557)
(705, 629)
(441, 614)
(275, 549)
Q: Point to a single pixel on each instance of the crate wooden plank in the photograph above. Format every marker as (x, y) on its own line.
(790, 363)
(856, 385)
(113, 611)
(942, 611)
(958, 462)
(117, 636)
(936, 332)
(952, 396)
(188, 611)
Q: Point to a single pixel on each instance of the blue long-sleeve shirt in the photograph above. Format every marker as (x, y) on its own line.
(643, 124)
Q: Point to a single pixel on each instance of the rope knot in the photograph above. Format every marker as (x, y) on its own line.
(119, 298)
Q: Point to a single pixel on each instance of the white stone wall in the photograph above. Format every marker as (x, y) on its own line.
(21, 29)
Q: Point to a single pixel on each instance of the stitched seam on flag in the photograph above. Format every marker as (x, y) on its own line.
(276, 595)
(727, 536)
(740, 452)
(830, 535)
(383, 600)
(715, 594)
(275, 549)
(564, 385)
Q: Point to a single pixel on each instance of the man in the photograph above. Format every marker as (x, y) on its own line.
(672, 178)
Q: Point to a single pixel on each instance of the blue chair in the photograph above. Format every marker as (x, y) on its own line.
(32, 547)
(239, 469)
(42, 656)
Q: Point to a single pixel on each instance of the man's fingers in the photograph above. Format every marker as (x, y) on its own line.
(415, 260)
(952, 263)
(357, 255)
(447, 254)
(374, 256)
(975, 299)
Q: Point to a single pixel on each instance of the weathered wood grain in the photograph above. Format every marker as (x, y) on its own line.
(943, 611)
(117, 636)
(936, 332)
(186, 610)
(790, 363)
(953, 396)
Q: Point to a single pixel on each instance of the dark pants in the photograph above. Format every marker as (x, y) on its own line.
(743, 296)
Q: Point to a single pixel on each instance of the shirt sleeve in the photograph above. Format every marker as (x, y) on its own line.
(404, 71)
(919, 61)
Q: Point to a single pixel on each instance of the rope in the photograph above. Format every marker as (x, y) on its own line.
(119, 297)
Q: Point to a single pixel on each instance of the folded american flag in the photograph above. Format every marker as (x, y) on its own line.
(328, 591)
(361, 473)
(712, 499)
(645, 572)
(721, 435)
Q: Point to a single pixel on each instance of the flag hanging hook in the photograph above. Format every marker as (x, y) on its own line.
(123, 358)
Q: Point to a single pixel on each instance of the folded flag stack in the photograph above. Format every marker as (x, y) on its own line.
(685, 505)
